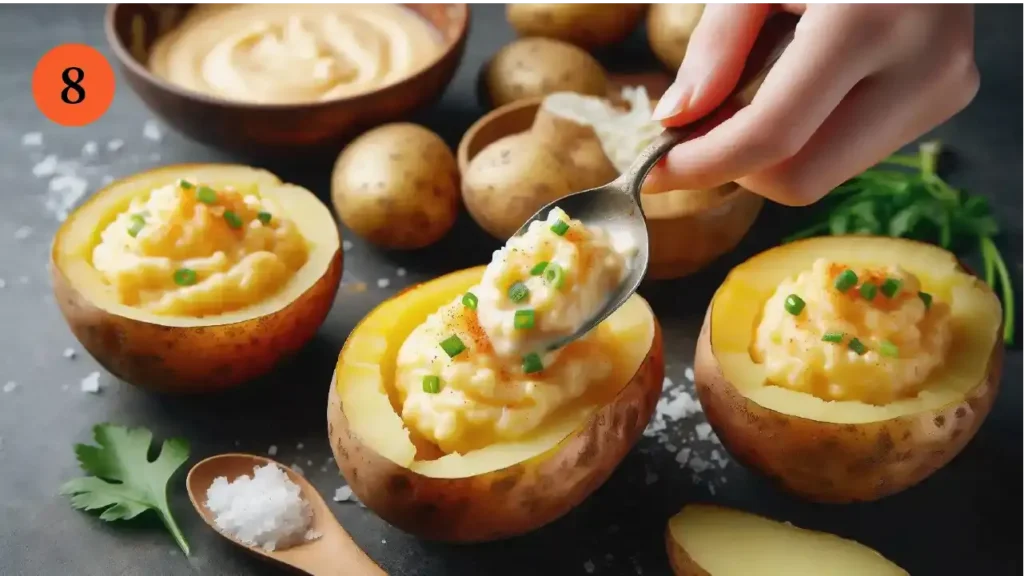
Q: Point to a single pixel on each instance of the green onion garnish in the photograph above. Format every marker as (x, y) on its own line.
(431, 384)
(794, 304)
(523, 319)
(233, 220)
(891, 286)
(889, 349)
(847, 279)
(560, 227)
(206, 195)
(555, 275)
(518, 292)
(138, 223)
(185, 277)
(264, 217)
(858, 347)
(833, 337)
(926, 298)
(868, 291)
(469, 300)
(538, 268)
(184, 184)
(532, 363)
(452, 346)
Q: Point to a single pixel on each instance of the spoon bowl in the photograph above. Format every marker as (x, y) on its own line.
(333, 554)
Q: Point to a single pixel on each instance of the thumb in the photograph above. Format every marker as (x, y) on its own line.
(713, 62)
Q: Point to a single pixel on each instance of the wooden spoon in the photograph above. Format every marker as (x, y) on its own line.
(334, 553)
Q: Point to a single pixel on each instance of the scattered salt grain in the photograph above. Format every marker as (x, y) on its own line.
(3, 283)
(69, 353)
(383, 541)
(688, 374)
(64, 192)
(23, 232)
(115, 144)
(343, 494)
(346, 245)
(32, 139)
(265, 509)
(91, 383)
(683, 456)
(10, 386)
(703, 431)
(383, 282)
(298, 469)
(400, 272)
(309, 462)
(45, 167)
(90, 148)
(299, 446)
(589, 567)
(272, 450)
(151, 131)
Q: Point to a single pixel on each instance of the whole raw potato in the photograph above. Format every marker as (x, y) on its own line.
(538, 66)
(585, 25)
(509, 180)
(669, 27)
(397, 186)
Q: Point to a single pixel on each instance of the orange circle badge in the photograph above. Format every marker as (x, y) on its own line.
(73, 84)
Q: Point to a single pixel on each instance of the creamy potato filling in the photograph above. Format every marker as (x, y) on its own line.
(188, 249)
(471, 374)
(842, 333)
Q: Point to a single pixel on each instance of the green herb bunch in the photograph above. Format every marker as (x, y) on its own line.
(905, 197)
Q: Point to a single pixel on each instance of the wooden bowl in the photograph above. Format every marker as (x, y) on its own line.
(254, 128)
(688, 229)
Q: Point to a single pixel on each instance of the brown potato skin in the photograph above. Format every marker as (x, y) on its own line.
(578, 147)
(197, 359)
(397, 186)
(679, 560)
(839, 463)
(507, 502)
(669, 27)
(588, 26)
(532, 67)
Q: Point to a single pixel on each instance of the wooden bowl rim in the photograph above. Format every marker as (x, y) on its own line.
(123, 56)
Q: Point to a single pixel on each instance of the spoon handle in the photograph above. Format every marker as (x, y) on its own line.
(773, 40)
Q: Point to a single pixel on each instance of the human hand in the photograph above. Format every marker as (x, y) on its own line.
(858, 82)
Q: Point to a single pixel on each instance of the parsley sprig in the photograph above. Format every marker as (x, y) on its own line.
(904, 196)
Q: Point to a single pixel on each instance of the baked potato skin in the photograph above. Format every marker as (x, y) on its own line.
(588, 26)
(531, 67)
(195, 359)
(679, 560)
(507, 502)
(839, 463)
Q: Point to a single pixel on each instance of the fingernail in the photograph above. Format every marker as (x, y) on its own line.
(671, 102)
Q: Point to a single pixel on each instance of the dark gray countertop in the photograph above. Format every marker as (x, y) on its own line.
(953, 523)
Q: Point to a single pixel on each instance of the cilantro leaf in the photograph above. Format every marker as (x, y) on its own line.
(124, 482)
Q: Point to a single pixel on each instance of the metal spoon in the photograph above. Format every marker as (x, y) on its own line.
(333, 554)
(616, 205)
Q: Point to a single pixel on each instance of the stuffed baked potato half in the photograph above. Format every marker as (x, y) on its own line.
(849, 368)
(502, 489)
(146, 284)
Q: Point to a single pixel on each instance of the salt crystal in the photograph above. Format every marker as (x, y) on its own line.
(343, 494)
(681, 406)
(3, 283)
(22, 233)
(400, 272)
(671, 447)
(91, 383)
(151, 131)
(719, 458)
(383, 541)
(32, 139)
(383, 282)
(10, 386)
(698, 464)
(298, 469)
(703, 430)
(299, 446)
(265, 509)
(711, 489)
(309, 462)
(90, 148)
(683, 456)
(688, 374)
(45, 167)
(64, 192)
(272, 450)
(589, 567)
(115, 144)
(69, 353)
(346, 245)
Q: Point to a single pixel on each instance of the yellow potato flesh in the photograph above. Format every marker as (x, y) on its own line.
(731, 543)
(975, 318)
(81, 233)
(366, 370)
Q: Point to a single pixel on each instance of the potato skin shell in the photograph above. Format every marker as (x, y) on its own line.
(397, 186)
(839, 463)
(577, 146)
(588, 26)
(197, 359)
(507, 502)
(532, 67)
(679, 560)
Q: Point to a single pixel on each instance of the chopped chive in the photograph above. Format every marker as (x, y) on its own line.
(518, 292)
(560, 227)
(206, 195)
(555, 275)
(264, 217)
(858, 347)
(833, 337)
(926, 298)
(538, 268)
(452, 346)
(184, 184)
(138, 223)
(431, 384)
(794, 304)
(868, 291)
(532, 363)
(185, 277)
(891, 286)
(523, 319)
(847, 279)
(469, 300)
(889, 349)
(233, 220)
